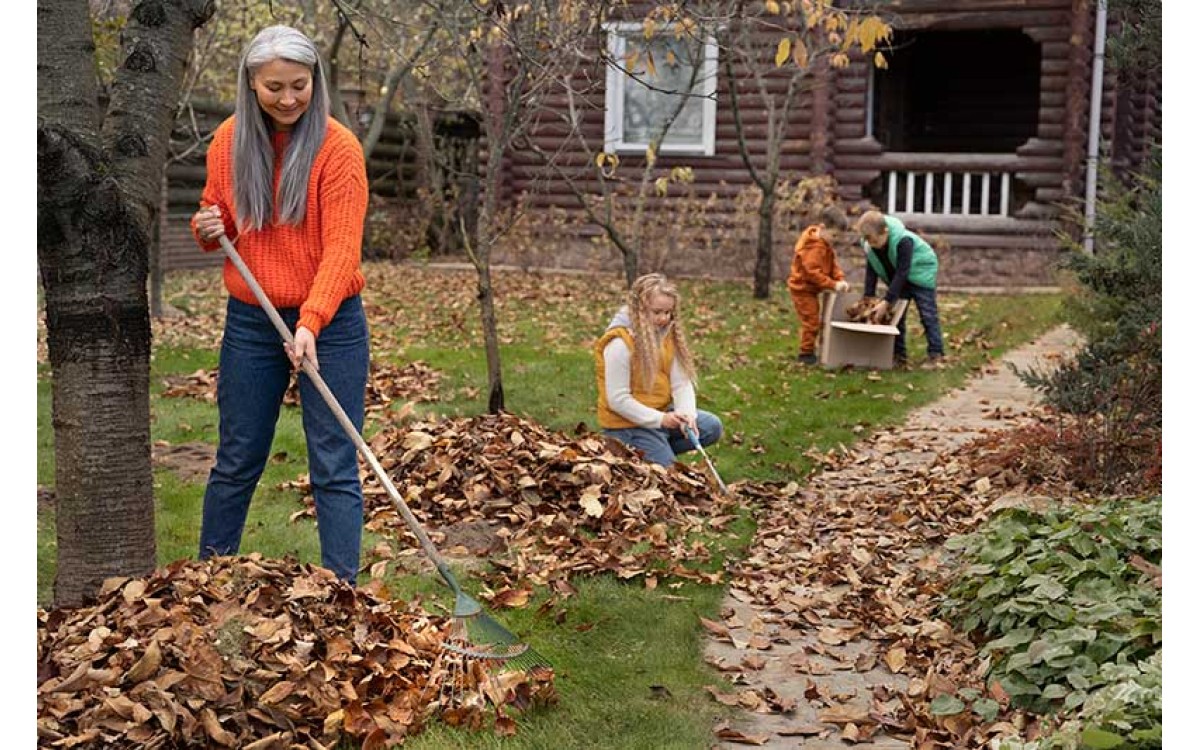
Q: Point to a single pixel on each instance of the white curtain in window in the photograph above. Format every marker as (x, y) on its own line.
(660, 65)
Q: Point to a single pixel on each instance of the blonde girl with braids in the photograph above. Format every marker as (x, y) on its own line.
(288, 184)
(646, 376)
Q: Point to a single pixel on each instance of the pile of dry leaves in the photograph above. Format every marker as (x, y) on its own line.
(864, 311)
(386, 384)
(254, 653)
(544, 506)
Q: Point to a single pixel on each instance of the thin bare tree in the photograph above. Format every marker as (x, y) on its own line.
(513, 57)
(776, 53)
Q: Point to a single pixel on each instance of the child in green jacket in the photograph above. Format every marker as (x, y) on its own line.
(909, 266)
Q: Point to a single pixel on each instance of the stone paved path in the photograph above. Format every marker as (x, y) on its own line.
(993, 399)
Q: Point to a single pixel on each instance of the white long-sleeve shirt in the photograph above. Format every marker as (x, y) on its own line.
(617, 361)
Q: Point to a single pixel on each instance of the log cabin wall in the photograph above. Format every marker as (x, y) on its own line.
(1041, 174)
(1138, 119)
(185, 182)
(705, 226)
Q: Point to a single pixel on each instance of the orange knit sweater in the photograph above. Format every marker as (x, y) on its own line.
(313, 265)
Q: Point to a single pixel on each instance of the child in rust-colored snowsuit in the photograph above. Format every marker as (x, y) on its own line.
(814, 269)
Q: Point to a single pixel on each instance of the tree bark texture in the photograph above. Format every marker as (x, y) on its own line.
(491, 341)
(486, 293)
(98, 189)
(763, 256)
(821, 160)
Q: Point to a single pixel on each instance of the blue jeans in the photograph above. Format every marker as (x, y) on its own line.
(926, 302)
(661, 446)
(254, 374)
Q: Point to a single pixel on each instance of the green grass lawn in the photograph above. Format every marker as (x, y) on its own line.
(616, 640)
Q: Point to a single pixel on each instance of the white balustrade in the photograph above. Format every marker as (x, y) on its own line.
(956, 194)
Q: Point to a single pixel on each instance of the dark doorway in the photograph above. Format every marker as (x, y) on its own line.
(958, 91)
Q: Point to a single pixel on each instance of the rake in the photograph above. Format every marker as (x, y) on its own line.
(691, 433)
(474, 635)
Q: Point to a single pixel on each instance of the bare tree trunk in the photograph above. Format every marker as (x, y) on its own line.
(763, 256)
(500, 118)
(765, 183)
(480, 255)
(491, 342)
(767, 179)
(512, 67)
(97, 192)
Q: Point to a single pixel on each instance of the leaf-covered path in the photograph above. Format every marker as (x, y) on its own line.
(828, 630)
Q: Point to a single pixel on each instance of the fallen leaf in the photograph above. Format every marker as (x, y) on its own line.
(1153, 571)
(727, 699)
(511, 598)
(754, 661)
(843, 713)
(802, 730)
(715, 628)
(147, 666)
(835, 636)
(724, 732)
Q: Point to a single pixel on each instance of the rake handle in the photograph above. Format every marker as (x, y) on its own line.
(331, 401)
(696, 442)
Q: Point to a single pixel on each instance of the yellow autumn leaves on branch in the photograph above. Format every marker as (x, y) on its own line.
(844, 32)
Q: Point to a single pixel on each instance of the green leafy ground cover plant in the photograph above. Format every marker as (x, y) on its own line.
(1125, 713)
(1065, 605)
(1094, 654)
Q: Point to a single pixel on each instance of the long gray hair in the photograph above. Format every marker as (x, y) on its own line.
(253, 155)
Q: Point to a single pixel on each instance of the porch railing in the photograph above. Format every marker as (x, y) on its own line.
(949, 184)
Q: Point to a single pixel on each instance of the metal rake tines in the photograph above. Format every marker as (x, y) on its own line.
(480, 638)
(488, 652)
(470, 675)
(461, 683)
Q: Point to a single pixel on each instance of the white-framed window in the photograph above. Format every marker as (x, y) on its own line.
(643, 88)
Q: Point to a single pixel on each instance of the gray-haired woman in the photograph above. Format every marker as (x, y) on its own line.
(288, 184)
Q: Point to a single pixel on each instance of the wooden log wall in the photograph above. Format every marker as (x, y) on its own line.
(721, 177)
(185, 183)
(828, 132)
(1065, 72)
(1138, 119)
(1048, 169)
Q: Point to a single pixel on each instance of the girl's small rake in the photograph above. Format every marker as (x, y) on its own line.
(474, 636)
(696, 442)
